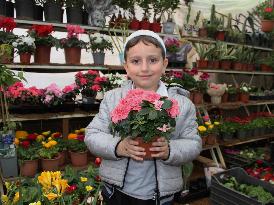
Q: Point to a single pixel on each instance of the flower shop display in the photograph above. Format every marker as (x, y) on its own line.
(115, 81)
(172, 46)
(244, 92)
(145, 116)
(72, 44)
(99, 43)
(6, 38)
(25, 47)
(43, 41)
(77, 148)
(216, 91)
(208, 131)
(52, 97)
(266, 13)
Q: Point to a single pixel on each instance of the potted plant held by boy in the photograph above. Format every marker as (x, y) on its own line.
(72, 44)
(25, 48)
(145, 116)
(77, 149)
(99, 43)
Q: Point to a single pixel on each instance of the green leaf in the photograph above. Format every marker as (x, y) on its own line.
(167, 104)
(144, 111)
(152, 115)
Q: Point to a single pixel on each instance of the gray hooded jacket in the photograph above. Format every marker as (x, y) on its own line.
(185, 143)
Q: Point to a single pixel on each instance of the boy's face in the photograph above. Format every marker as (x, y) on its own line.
(145, 65)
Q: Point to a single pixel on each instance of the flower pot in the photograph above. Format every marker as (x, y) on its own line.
(74, 15)
(2, 7)
(9, 166)
(202, 63)
(225, 97)
(73, 55)
(233, 97)
(53, 12)
(267, 25)
(211, 139)
(227, 136)
(241, 134)
(220, 35)
(79, 159)
(42, 54)
(198, 97)
(38, 12)
(251, 67)
(24, 9)
(226, 65)
(25, 58)
(191, 96)
(216, 65)
(168, 27)
(204, 139)
(202, 33)
(144, 24)
(188, 29)
(244, 97)
(216, 99)
(265, 68)
(85, 17)
(50, 164)
(29, 168)
(134, 24)
(98, 58)
(146, 146)
(63, 158)
(156, 27)
(237, 66)
(9, 9)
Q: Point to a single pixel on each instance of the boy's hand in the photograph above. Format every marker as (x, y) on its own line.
(161, 147)
(129, 148)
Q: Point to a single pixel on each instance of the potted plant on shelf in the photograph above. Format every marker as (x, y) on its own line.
(195, 28)
(158, 10)
(202, 51)
(24, 9)
(99, 43)
(27, 148)
(146, 6)
(6, 38)
(74, 9)
(72, 44)
(43, 41)
(226, 56)
(170, 7)
(157, 121)
(62, 146)
(52, 98)
(216, 91)
(53, 10)
(187, 27)
(265, 12)
(228, 130)
(25, 47)
(69, 93)
(172, 46)
(232, 93)
(244, 92)
(77, 148)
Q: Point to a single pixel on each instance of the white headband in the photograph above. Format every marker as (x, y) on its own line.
(145, 33)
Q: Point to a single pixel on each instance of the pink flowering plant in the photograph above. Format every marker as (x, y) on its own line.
(172, 44)
(69, 92)
(52, 95)
(90, 82)
(144, 114)
(265, 10)
(72, 39)
(18, 94)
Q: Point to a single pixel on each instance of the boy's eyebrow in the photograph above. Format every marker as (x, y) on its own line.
(137, 56)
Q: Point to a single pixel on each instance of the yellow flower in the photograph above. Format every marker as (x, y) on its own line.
(4, 199)
(7, 184)
(52, 142)
(45, 179)
(210, 127)
(46, 133)
(202, 128)
(207, 123)
(77, 131)
(83, 179)
(21, 134)
(216, 123)
(16, 141)
(82, 130)
(51, 196)
(16, 198)
(36, 203)
(47, 145)
(49, 139)
(72, 136)
(89, 188)
(60, 185)
(40, 138)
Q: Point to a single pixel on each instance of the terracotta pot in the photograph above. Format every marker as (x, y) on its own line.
(210, 64)
(225, 97)
(6, 59)
(220, 35)
(204, 139)
(226, 65)
(73, 55)
(25, 58)
(79, 159)
(202, 33)
(244, 97)
(202, 63)
(237, 66)
(134, 24)
(145, 25)
(191, 95)
(42, 55)
(198, 98)
(251, 67)
(156, 27)
(233, 97)
(146, 146)
(63, 158)
(265, 68)
(216, 65)
(29, 168)
(267, 25)
(244, 67)
(50, 164)
(211, 139)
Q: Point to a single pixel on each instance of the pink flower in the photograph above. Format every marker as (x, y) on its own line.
(74, 31)
(204, 76)
(119, 113)
(69, 88)
(174, 110)
(83, 81)
(96, 88)
(99, 80)
(165, 128)
(158, 104)
(206, 118)
(93, 72)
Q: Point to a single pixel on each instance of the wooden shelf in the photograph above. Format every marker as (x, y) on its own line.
(236, 72)
(62, 27)
(248, 140)
(234, 105)
(210, 41)
(55, 67)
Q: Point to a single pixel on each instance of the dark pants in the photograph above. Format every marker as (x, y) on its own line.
(119, 198)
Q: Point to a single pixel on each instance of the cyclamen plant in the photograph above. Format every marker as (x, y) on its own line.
(100, 43)
(52, 95)
(172, 44)
(24, 44)
(7, 25)
(69, 92)
(144, 114)
(115, 80)
(42, 35)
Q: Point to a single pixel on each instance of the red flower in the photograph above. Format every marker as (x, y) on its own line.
(25, 144)
(71, 188)
(204, 76)
(7, 24)
(96, 88)
(98, 178)
(267, 169)
(56, 135)
(42, 30)
(98, 161)
(80, 137)
(268, 9)
(93, 72)
(260, 162)
(267, 177)
(32, 136)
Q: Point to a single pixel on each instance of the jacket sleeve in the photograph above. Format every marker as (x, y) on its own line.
(98, 138)
(187, 146)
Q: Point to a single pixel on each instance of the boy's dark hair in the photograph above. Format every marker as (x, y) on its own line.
(145, 40)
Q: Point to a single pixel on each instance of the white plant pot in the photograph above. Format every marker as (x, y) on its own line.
(216, 99)
(168, 27)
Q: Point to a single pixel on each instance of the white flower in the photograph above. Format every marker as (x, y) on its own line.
(98, 40)
(28, 40)
(15, 44)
